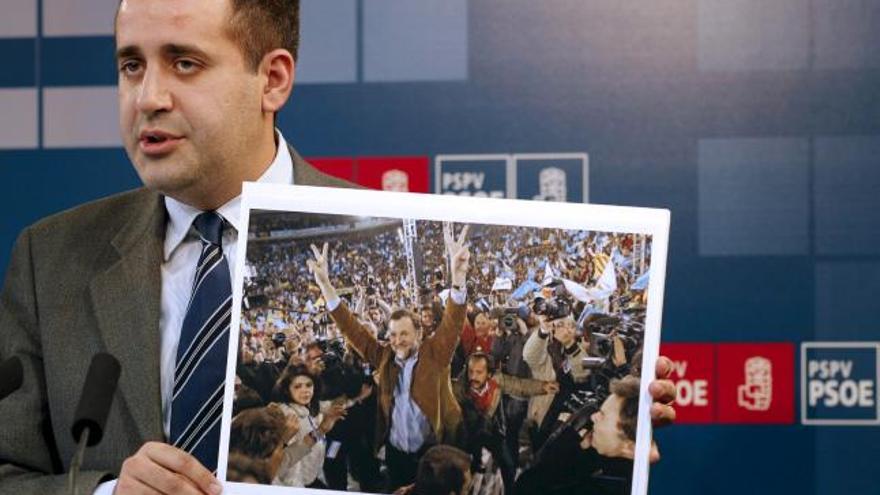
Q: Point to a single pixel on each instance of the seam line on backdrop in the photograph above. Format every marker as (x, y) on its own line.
(359, 36)
(38, 73)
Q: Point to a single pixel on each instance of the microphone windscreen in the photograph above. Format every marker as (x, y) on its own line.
(96, 398)
(11, 376)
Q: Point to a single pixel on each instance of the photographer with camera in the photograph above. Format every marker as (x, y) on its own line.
(481, 392)
(416, 406)
(592, 451)
(256, 373)
(560, 358)
(507, 351)
(341, 381)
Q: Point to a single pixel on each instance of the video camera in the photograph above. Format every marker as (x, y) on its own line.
(580, 407)
(507, 317)
(334, 378)
(556, 308)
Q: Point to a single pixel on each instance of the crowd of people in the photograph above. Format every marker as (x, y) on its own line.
(518, 346)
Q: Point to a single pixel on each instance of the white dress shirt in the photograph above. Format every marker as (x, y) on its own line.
(181, 255)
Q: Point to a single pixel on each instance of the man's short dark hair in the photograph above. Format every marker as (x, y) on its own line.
(260, 26)
(627, 388)
(478, 355)
(442, 471)
(400, 314)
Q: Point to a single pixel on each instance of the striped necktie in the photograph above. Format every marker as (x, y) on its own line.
(200, 371)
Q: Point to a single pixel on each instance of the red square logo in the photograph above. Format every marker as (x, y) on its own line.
(342, 168)
(406, 174)
(693, 372)
(756, 383)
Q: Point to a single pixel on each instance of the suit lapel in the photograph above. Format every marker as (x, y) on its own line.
(126, 298)
(304, 174)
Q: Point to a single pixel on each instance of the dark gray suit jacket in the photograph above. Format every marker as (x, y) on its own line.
(81, 282)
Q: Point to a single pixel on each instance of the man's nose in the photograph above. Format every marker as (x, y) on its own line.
(154, 92)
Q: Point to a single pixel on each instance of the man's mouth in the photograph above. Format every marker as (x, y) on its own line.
(157, 142)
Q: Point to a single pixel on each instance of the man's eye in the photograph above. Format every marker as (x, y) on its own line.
(130, 67)
(185, 66)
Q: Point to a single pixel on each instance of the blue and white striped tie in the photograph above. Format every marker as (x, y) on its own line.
(201, 354)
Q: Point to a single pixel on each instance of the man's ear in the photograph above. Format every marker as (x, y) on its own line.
(278, 71)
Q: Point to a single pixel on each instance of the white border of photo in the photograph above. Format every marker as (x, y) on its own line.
(369, 203)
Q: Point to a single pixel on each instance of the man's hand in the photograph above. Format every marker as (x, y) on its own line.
(318, 267)
(160, 468)
(551, 387)
(459, 256)
(663, 392)
(331, 416)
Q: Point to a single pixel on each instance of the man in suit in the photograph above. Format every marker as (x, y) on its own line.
(200, 83)
(416, 406)
(198, 94)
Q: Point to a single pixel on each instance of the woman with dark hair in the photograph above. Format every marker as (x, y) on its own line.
(295, 392)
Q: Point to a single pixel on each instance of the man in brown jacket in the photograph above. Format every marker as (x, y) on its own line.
(416, 405)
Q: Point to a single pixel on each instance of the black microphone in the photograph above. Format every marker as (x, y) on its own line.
(11, 376)
(94, 406)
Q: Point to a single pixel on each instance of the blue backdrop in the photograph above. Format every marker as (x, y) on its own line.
(756, 122)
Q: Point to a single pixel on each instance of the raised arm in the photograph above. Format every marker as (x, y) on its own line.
(360, 338)
(448, 332)
(525, 387)
(536, 356)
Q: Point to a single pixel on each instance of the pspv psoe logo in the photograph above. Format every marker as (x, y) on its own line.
(839, 383)
(756, 383)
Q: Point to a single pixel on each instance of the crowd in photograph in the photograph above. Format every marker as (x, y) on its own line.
(484, 359)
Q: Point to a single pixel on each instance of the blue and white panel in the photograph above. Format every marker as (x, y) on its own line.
(753, 197)
(18, 118)
(552, 177)
(846, 34)
(487, 176)
(329, 44)
(18, 19)
(405, 40)
(847, 179)
(18, 27)
(846, 300)
(79, 17)
(752, 35)
(81, 117)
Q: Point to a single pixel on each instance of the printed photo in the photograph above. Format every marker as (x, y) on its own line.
(437, 352)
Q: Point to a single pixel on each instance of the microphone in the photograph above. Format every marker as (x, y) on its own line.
(91, 413)
(11, 376)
